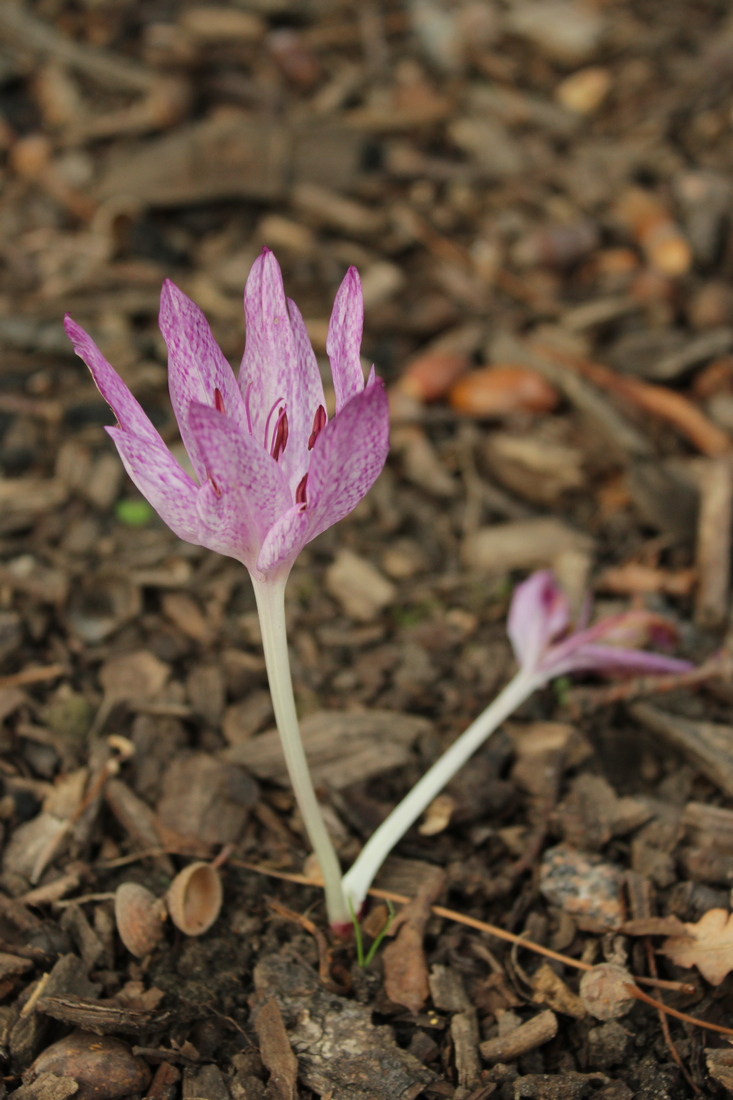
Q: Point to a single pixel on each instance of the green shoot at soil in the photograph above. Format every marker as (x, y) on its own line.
(362, 960)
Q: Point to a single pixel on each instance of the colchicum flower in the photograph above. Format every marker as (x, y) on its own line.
(271, 470)
(538, 623)
(538, 628)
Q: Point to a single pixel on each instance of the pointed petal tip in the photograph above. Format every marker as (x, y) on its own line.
(172, 297)
(72, 328)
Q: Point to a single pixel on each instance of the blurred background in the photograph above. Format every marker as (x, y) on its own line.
(537, 195)
(535, 192)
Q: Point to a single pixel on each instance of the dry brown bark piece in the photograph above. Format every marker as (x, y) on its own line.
(705, 744)
(47, 1086)
(405, 968)
(447, 990)
(137, 819)
(276, 1052)
(343, 747)
(550, 989)
(68, 976)
(234, 154)
(206, 799)
(713, 543)
(465, 1035)
(505, 1048)
(340, 1051)
(101, 1017)
(523, 544)
(720, 1067)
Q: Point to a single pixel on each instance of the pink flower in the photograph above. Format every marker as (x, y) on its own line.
(272, 471)
(545, 647)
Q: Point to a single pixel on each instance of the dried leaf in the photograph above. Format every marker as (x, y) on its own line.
(405, 968)
(708, 945)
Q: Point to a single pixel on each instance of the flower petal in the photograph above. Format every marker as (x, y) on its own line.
(347, 459)
(269, 372)
(246, 491)
(309, 398)
(196, 367)
(634, 629)
(343, 344)
(126, 408)
(611, 659)
(161, 480)
(539, 612)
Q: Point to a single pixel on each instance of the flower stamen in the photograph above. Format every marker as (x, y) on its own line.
(218, 400)
(280, 435)
(300, 497)
(319, 423)
(275, 404)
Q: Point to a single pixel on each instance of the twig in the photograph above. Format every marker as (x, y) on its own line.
(659, 401)
(470, 922)
(324, 951)
(22, 30)
(664, 1022)
(32, 676)
(641, 996)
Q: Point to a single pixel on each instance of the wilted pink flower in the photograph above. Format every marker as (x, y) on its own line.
(538, 629)
(272, 471)
(544, 646)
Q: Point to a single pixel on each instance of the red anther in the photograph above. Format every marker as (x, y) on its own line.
(218, 401)
(215, 487)
(281, 435)
(300, 491)
(319, 423)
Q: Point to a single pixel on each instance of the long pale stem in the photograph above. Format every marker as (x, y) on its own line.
(360, 875)
(271, 607)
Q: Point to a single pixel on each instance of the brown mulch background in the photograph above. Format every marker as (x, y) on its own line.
(537, 195)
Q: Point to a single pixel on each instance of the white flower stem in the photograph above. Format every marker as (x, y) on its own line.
(271, 607)
(360, 875)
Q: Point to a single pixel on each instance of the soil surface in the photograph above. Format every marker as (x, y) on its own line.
(537, 195)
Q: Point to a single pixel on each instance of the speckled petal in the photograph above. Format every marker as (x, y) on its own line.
(269, 371)
(343, 344)
(310, 396)
(347, 459)
(246, 491)
(196, 367)
(161, 480)
(130, 415)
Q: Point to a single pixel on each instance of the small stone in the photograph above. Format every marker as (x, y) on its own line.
(604, 991)
(586, 886)
(104, 1068)
(359, 587)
